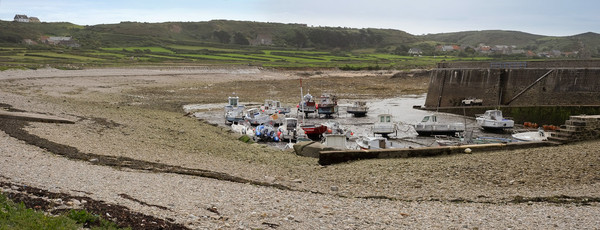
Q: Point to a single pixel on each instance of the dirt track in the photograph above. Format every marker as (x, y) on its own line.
(132, 138)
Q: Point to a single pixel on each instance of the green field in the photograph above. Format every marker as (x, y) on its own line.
(187, 54)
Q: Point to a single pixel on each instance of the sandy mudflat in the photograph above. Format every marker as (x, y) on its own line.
(133, 146)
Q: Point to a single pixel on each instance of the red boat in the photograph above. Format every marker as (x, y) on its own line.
(314, 131)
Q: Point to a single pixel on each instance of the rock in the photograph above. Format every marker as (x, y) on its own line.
(269, 179)
(94, 160)
(468, 150)
(75, 202)
(289, 217)
(334, 188)
(310, 148)
(297, 180)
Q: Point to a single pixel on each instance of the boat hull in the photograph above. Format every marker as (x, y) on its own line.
(314, 132)
(314, 129)
(357, 113)
(439, 129)
(327, 110)
(493, 125)
(437, 132)
(532, 136)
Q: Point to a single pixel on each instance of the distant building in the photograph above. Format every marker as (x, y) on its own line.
(21, 18)
(24, 18)
(447, 48)
(65, 41)
(34, 20)
(262, 39)
(29, 42)
(484, 49)
(518, 51)
(415, 51)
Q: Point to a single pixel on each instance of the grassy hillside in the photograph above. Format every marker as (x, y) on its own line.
(490, 37)
(257, 43)
(587, 42)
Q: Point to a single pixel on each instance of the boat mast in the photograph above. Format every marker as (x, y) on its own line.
(301, 100)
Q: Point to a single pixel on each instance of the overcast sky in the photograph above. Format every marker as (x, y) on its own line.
(543, 17)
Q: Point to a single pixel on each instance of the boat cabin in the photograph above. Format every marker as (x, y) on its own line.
(384, 125)
(233, 101)
(429, 119)
(385, 118)
(430, 126)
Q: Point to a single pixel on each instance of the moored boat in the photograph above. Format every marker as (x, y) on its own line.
(307, 105)
(289, 129)
(327, 105)
(265, 132)
(492, 120)
(539, 135)
(256, 117)
(315, 131)
(233, 111)
(274, 107)
(430, 126)
(384, 125)
(358, 109)
(334, 127)
(370, 143)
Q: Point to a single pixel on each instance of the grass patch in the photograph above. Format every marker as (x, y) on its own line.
(141, 49)
(17, 216)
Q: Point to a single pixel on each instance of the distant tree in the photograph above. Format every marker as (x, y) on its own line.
(427, 48)
(401, 50)
(470, 50)
(222, 36)
(300, 39)
(240, 39)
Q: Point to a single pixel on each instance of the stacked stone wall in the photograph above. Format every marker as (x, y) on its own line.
(579, 128)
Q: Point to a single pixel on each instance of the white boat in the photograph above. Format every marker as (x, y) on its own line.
(274, 107)
(358, 109)
(430, 126)
(539, 135)
(233, 111)
(369, 143)
(289, 129)
(307, 105)
(255, 117)
(334, 127)
(492, 120)
(384, 125)
(337, 141)
(241, 128)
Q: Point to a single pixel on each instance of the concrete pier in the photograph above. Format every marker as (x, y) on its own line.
(336, 157)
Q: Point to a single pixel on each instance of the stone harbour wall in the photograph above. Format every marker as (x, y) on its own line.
(576, 84)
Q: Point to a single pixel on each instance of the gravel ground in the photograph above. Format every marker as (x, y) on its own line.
(120, 114)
